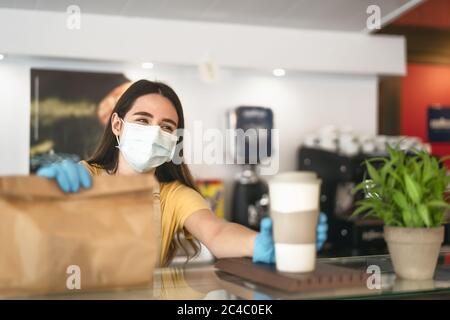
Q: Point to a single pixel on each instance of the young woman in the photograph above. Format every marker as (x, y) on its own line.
(139, 139)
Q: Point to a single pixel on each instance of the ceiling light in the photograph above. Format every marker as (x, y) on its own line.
(279, 72)
(147, 65)
(2, 56)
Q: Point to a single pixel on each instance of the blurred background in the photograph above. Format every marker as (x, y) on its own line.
(340, 79)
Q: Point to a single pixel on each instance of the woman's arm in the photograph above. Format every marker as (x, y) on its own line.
(224, 239)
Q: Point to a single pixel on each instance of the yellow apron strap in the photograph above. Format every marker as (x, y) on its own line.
(157, 276)
(157, 219)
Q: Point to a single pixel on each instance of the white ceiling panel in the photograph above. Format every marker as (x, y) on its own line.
(338, 15)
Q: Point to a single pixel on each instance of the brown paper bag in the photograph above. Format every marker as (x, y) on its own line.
(100, 238)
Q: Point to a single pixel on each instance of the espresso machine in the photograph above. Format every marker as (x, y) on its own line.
(347, 235)
(250, 198)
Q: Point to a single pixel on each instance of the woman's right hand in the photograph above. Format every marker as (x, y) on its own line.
(69, 175)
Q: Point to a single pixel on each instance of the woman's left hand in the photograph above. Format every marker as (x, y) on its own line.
(322, 231)
(264, 248)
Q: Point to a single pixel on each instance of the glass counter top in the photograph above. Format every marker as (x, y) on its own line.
(206, 282)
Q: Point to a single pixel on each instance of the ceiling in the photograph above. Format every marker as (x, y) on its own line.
(337, 15)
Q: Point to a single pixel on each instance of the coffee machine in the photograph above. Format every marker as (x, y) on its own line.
(347, 235)
(250, 198)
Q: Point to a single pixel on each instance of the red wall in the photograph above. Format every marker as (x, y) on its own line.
(424, 85)
(431, 13)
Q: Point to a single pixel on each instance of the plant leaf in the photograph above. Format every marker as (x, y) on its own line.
(400, 200)
(427, 171)
(387, 168)
(373, 173)
(425, 215)
(412, 188)
(438, 204)
(360, 209)
(407, 218)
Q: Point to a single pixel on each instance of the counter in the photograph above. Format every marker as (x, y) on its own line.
(206, 282)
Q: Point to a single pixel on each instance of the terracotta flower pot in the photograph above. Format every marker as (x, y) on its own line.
(414, 251)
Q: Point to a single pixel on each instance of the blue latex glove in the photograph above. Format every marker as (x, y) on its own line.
(322, 231)
(264, 248)
(69, 175)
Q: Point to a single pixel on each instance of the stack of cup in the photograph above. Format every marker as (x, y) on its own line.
(294, 209)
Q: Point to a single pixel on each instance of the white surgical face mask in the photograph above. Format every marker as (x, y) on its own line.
(145, 147)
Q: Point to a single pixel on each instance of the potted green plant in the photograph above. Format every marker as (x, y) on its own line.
(408, 193)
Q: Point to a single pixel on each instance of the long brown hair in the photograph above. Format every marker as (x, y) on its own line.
(106, 156)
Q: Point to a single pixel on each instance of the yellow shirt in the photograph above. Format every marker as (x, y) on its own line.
(178, 202)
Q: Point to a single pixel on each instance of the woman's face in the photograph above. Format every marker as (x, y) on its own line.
(150, 109)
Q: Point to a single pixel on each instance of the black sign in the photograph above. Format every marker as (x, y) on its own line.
(439, 124)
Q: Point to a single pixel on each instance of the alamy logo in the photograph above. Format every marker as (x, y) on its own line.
(74, 279)
(73, 21)
(374, 20)
(230, 146)
(374, 280)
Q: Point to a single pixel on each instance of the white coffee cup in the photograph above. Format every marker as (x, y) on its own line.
(294, 207)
